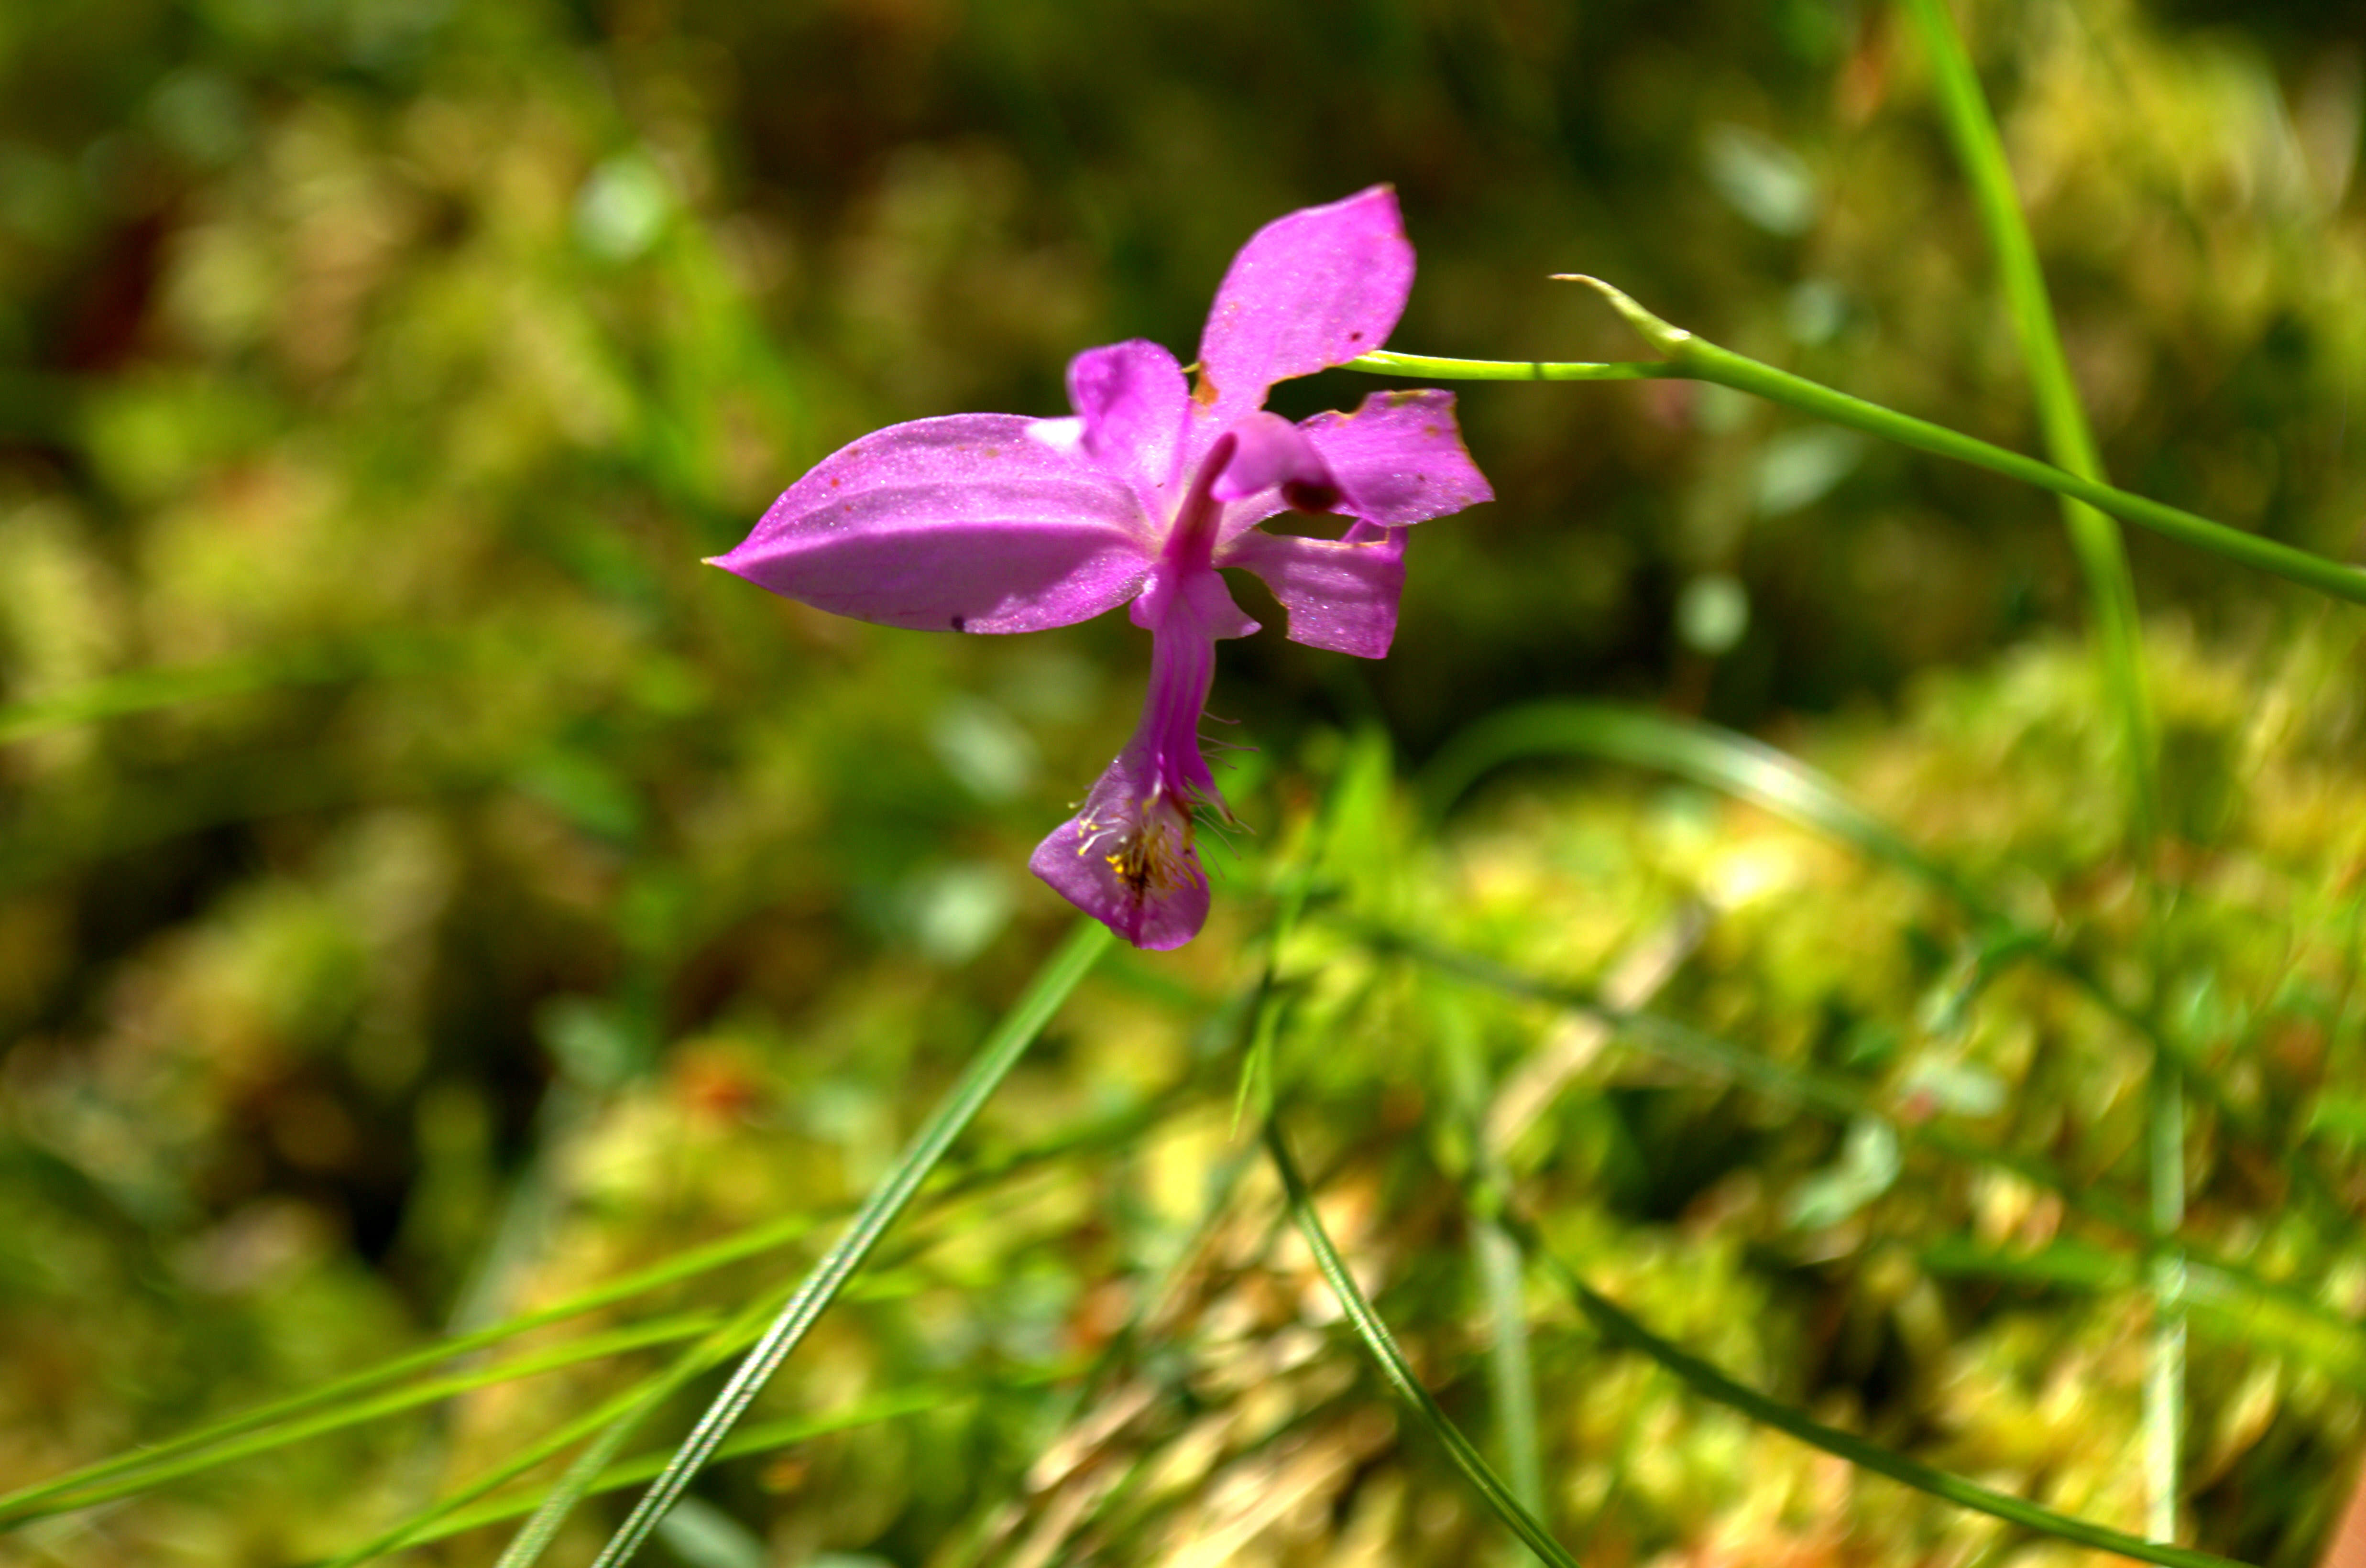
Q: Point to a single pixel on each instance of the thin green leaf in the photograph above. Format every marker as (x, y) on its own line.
(2094, 539)
(760, 1438)
(625, 1407)
(1719, 759)
(1059, 976)
(1748, 769)
(161, 1461)
(2102, 559)
(143, 690)
(1398, 1372)
(1710, 1382)
(591, 1347)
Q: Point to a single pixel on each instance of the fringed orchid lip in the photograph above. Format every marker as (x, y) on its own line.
(995, 522)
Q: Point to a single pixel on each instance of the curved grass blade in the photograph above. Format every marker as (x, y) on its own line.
(33, 1502)
(143, 690)
(2103, 560)
(1694, 358)
(1747, 769)
(1720, 760)
(2094, 538)
(1397, 1372)
(762, 1438)
(625, 1407)
(591, 1347)
(1059, 976)
(2234, 1310)
(1712, 1383)
(2220, 1280)
(163, 1460)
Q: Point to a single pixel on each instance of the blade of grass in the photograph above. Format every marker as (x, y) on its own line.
(2243, 1314)
(1494, 1257)
(1614, 1324)
(143, 690)
(2207, 1275)
(763, 1436)
(1397, 1372)
(1060, 974)
(620, 1413)
(1750, 770)
(32, 1501)
(1694, 358)
(627, 1407)
(2103, 560)
(1723, 760)
(591, 1347)
(148, 1465)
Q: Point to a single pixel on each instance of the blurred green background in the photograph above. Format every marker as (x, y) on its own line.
(425, 887)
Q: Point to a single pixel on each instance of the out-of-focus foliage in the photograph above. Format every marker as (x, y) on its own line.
(522, 902)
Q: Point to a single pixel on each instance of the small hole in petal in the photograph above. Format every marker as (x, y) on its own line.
(961, 624)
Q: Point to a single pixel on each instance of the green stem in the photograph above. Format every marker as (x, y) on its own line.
(2061, 417)
(2101, 556)
(1397, 1370)
(1694, 358)
(2163, 1393)
(1058, 977)
(1614, 1324)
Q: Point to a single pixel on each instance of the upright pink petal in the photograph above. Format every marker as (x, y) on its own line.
(1311, 290)
(1132, 404)
(966, 523)
(1399, 458)
(1341, 594)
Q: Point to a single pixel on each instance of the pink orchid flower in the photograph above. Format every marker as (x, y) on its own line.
(996, 522)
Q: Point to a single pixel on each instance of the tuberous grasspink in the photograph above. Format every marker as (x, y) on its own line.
(997, 522)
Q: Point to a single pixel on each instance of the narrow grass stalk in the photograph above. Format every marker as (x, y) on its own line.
(591, 1347)
(2103, 558)
(1495, 1258)
(2314, 1332)
(1511, 1371)
(2164, 1393)
(1397, 1372)
(627, 1407)
(1059, 976)
(1614, 1324)
(760, 1438)
(1750, 770)
(1694, 358)
(143, 690)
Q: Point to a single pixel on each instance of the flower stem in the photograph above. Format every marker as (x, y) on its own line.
(1694, 358)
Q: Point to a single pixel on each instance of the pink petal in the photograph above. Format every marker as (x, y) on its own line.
(1132, 403)
(1311, 290)
(1399, 458)
(1341, 594)
(1126, 857)
(965, 523)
